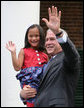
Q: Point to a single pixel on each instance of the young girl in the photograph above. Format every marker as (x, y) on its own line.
(30, 60)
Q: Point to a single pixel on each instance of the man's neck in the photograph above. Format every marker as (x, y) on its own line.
(53, 55)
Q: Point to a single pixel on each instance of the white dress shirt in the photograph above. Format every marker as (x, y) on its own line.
(63, 39)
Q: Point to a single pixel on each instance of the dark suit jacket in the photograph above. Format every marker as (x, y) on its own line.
(57, 88)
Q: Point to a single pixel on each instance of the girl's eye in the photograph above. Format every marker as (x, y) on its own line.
(31, 36)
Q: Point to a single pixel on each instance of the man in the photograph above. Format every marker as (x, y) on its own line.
(60, 75)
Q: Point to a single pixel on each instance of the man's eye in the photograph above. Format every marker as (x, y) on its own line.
(46, 40)
(52, 38)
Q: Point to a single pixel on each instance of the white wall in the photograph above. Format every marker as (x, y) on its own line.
(16, 16)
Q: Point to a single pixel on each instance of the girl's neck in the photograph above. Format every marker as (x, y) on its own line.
(35, 48)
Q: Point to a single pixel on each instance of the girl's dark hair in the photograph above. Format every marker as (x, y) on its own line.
(42, 37)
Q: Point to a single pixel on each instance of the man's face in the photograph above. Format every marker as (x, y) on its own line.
(51, 43)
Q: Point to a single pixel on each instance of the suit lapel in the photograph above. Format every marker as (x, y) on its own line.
(54, 61)
(48, 67)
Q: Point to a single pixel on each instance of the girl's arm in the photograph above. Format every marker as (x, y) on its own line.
(17, 62)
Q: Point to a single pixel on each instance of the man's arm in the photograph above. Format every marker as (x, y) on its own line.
(71, 53)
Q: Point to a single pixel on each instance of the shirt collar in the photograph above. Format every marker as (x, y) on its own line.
(53, 56)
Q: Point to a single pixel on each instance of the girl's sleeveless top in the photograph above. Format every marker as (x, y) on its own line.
(34, 58)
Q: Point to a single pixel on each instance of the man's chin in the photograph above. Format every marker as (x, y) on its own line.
(49, 52)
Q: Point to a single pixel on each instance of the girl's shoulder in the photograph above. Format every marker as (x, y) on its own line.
(44, 55)
(28, 50)
(21, 51)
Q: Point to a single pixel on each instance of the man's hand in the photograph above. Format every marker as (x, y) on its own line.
(54, 20)
(28, 92)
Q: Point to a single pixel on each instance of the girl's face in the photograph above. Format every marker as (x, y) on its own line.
(34, 37)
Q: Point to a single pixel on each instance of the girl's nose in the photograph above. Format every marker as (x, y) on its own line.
(33, 38)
